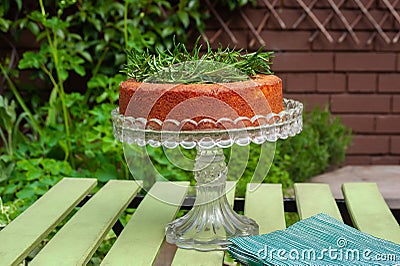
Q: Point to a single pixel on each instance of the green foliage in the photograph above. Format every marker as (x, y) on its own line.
(72, 132)
(32, 165)
(8, 211)
(321, 144)
(178, 65)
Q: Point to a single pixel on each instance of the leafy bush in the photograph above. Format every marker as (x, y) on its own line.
(321, 145)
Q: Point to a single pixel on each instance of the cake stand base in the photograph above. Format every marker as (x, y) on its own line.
(211, 221)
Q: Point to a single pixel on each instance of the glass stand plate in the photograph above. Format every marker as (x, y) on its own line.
(211, 221)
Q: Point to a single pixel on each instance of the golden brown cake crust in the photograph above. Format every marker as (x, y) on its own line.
(259, 96)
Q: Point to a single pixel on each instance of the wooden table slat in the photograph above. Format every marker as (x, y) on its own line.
(139, 242)
(369, 211)
(187, 257)
(77, 240)
(264, 204)
(312, 199)
(23, 234)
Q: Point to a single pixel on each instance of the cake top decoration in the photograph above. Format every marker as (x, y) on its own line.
(144, 66)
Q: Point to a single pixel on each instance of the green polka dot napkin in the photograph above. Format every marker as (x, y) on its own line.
(318, 240)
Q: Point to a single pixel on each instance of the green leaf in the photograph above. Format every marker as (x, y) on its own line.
(19, 4)
(109, 34)
(86, 55)
(39, 188)
(34, 173)
(96, 23)
(102, 97)
(50, 181)
(155, 9)
(34, 28)
(10, 189)
(98, 81)
(107, 172)
(5, 158)
(7, 114)
(41, 36)
(184, 17)
(63, 74)
(80, 70)
(167, 31)
(6, 171)
(26, 193)
(31, 60)
(4, 24)
(89, 153)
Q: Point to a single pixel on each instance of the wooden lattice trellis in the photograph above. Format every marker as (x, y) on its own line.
(362, 9)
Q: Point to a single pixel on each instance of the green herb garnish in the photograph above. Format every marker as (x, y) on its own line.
(178, 65)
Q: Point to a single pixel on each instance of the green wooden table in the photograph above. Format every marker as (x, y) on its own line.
(142, 241)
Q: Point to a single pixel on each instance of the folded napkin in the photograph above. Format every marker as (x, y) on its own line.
(318, 240)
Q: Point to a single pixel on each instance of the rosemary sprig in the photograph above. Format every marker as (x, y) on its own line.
(178, 65)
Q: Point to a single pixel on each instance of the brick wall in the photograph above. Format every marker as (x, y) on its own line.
(359, 78)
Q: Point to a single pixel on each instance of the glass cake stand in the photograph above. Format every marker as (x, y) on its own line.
(211, 221)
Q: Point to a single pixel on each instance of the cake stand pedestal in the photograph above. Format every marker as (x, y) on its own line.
(211, 221)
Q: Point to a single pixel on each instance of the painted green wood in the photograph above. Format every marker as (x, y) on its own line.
(23, 234)
(312, 199)
(369, 211)
(77, 240)
(187, 257)
(264, 204)
(142, 237)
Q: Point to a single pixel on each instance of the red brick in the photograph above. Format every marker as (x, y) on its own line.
(310, 101)
(389, 82)
(357, 160)
(284, 78)
(395, 145)
(398, 62)
(396, 104)
(301, 82)
(388, 124)
(359, 123)
(362, 82)
(278, 40)
(385, 160)
(225, 40)
(365, 61)
(331, 82)
(321, 43)
(360, 103)
(362, 144)
(300, 62)
(381, 45)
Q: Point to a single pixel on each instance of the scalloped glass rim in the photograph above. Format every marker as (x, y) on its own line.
(272, 127)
